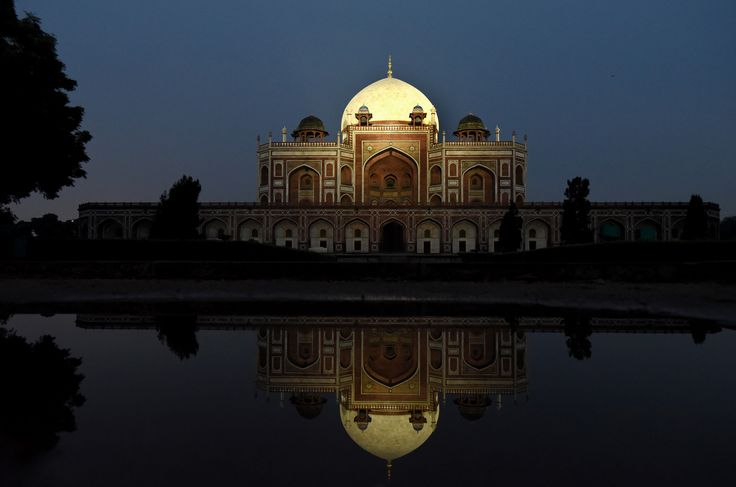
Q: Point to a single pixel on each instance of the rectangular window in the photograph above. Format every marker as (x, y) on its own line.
(427, 247)
(532, 245)
(357, 245)
(287, 244)
(323, 244)
(462, 246)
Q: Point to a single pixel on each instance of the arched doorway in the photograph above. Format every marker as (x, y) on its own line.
(464, 237)
(647, 231)
(428, 237)
(141, 229)
(611, 230)
(110, 229)
(392, 237)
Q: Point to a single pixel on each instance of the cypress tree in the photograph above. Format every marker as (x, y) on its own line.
(509, 239)
(575, 227)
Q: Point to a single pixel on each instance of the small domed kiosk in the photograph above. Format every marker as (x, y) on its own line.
(310, 129)
(471, 128)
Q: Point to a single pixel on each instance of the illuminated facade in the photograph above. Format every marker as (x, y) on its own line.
(391, 384)
(391, 181)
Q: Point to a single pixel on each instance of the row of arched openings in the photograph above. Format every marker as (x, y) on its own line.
(435, 178)
(346, 176)
(537, 233)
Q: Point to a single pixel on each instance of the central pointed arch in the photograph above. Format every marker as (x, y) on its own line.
(391, 177)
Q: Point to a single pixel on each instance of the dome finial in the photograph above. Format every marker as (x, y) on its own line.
(388, 470)
(390, 72)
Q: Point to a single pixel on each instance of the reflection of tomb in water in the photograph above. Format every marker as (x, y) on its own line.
(391, 374)
(390, 382)
(205, 321)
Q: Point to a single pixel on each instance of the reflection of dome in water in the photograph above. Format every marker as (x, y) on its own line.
(308, 405)
(389, 99)
(472, 406)
(389, 436)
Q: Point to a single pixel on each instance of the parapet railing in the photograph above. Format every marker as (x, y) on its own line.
(480, 143)
(529, 205)
(303, 144)
(392, 127)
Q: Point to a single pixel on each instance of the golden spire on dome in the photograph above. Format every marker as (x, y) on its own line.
(390, 72)
(388, 470)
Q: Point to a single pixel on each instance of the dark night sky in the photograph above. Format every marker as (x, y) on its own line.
(640, 97)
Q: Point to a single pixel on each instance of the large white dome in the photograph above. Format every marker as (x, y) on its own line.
(388, 99)
(389, 436)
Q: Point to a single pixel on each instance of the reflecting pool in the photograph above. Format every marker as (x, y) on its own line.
(208, 399)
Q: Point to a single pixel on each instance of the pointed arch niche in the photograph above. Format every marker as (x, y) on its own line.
(304, 186)
(479, 185)
(390, 177)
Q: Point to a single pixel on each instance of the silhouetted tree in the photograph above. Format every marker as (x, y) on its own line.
(39, 387)
(48, 227)
(575, 227)
(6, 216)
(509, 238)
(728, 228)
(177, 216)
(578, 331)
(700, 329)
(42, 148)
(696, 221)
(179, 333)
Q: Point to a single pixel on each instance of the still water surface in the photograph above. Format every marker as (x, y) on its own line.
(167, 405)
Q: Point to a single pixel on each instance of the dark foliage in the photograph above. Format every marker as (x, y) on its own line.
(6, 216)
(644, 252)
(575, 227)
(700, 329)
(42, 147)
(157, 250)
(48, 227)
(728, 228)
(509, 239)
(578, 331)
(696, 221)
(177, 216)
(39, 389)
(179, 333)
